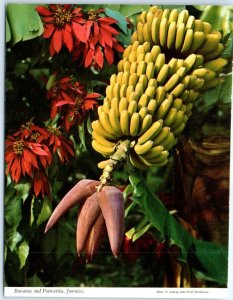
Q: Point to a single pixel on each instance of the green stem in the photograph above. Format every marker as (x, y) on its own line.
(119, 155)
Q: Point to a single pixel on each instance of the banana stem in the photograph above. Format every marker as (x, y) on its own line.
(119, 155)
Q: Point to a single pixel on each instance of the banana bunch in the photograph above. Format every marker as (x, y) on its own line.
(178, 32)
(149, 101)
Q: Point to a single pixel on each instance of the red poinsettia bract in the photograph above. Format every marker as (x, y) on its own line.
(101, 40)
(29, 152)
(71, 100)
(62, 23)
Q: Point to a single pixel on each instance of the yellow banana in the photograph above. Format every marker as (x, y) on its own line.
(216, 65)
(152, 105)
(155, 51)
(106, 106)
(149, 163)
(160, 94)
(123, 104)
(133, 79)
(189, 62)
(153, 83)
(145, 124)
(102, 149)
(163, 32)
(211, 42)
(183, 17)
(136, 162)
(168, 142)
(162, 136)
(109, 91)
(143, 112)
(148, 58)
(142, 17)
(147, 46)
(129, 91)
(160, 61)
(114, 121)
(127, 51)
(180, 34)
(115, 105)
(143, 101)
(101, 140)
(161, 157)
(105, 122)
(178, 120)
(116, 90)
(215, 53)
(113, 78)
(163, 73)
(207, 27)
(133, 68)
(135, 45)
(170, 117)
(123, 90)
(173, 16)
(124, 122)
(143, 148)
(140, 50)
(134, 37)
(212, 83)
(197, 41)
(155, 30)
(150, 91)
(120, 66)
(181, 72)
(198, 25)
(199, 83)
(190, 22)
(132, 108)
(177, 103)
(141, 68)
(177, 91)
(166, 13)
(140, 32)
(171, 35)
(143, 79)
(153, 152)
(132, 56)
(201, 72)
(134, 124)
(139, 89)
(152, 132)
(146, 33)
(179, 129)
(150, 69)
(98, 128)
(134, 96)
(187, 41)
(172, 66)
(164, 108)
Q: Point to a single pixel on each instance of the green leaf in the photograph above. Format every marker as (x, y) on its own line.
(50, 82)
(24, 22)
(213, 259)
(39, 74)
(23, 190)
(122, 24)
(140, 232)
(8, 32)
(35, 281)
(82, 134)
(20, 69)
(45, 211)
(172, 231)
(13, 207)
(12, 238)
(23, 251)
(130, 10)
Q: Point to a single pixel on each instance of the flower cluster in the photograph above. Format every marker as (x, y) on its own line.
(29, 152)
(89, 36)
(70, 99)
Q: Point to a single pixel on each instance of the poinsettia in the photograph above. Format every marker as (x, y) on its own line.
(71, 100)
(101, 40)
(22, 156)
(63, 24)
(59, 144)
(40, 183)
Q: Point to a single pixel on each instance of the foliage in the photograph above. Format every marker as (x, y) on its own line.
(53, 90)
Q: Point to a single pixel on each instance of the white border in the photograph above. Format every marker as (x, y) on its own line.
(107, 293)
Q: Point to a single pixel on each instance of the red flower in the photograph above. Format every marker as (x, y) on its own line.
(22, 157)
(101, 41)
(40, 183)
(60, 145)
(71, 100)
(62, 23)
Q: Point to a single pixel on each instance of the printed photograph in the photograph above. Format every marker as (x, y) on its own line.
(117, 145)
